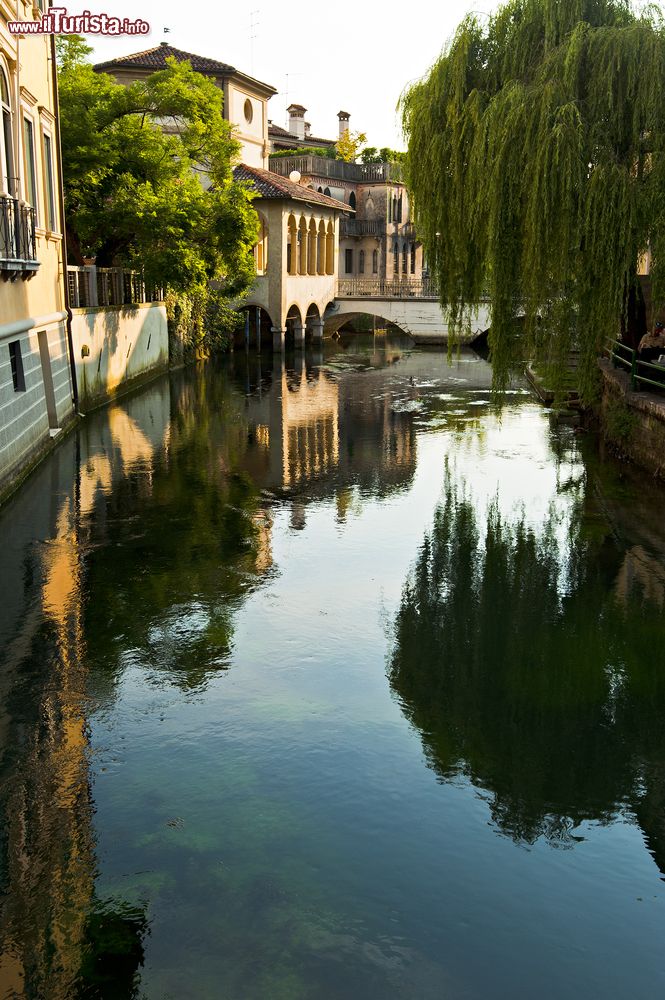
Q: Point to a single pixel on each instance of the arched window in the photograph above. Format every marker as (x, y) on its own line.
(320, 190)
(352, 201)
(321, 249)
(375, 262)
(7, 182)
(413, 258)
(261, 248)
(312, 247)
(302, 242)
(361, 262)
(326, 191)
(396, 260)
(399, 209)
(405, 258)
(330, 249)
(292, 246)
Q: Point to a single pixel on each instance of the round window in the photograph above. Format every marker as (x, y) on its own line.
(249, 111)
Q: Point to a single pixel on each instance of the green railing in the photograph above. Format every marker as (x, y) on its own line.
(641, 372)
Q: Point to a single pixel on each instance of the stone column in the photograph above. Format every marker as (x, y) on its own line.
(317, 330)
(278, 339)
(299, 336)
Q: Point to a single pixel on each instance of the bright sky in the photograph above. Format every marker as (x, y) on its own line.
(349, 55)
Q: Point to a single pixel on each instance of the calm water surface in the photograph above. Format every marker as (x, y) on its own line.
(331, 680)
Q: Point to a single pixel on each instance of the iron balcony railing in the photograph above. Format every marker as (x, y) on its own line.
(18, 243)
(362, 227)
(92, 286)
(384, 288)
(320, 166)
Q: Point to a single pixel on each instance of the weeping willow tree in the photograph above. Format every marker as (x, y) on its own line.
(535, 161)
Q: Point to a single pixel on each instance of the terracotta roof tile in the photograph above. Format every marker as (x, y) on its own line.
(156, 57)
(281, 133)
(269, 185)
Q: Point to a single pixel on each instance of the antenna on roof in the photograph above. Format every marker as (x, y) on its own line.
(253, 24)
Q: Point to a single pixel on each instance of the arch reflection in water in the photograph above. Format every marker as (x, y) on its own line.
(535, 666)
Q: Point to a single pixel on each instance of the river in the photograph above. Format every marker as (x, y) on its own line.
(332, 678)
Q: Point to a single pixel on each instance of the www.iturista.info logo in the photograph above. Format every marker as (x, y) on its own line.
(58, 22)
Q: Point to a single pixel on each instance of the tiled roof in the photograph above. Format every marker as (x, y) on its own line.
(269, 185)
(277, 132)
(155, 59)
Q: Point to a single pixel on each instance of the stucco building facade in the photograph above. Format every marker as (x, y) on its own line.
(36, 387)
(245, 99)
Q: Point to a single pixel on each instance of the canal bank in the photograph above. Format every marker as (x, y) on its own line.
(331, 679)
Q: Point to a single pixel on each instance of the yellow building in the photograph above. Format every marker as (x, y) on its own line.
(245, 99)
(35, 375)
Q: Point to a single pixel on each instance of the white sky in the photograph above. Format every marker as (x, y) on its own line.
(349, 55)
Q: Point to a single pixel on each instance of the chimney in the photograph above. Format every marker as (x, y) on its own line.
(344, 118)
(296, 114)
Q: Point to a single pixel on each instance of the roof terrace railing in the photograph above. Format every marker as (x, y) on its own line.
(321, 166)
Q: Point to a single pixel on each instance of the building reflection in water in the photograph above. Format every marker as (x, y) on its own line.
(144, 532)
(52, 923)
(310, 430)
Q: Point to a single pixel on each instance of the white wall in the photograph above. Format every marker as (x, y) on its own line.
(25, 427)
(122, 342)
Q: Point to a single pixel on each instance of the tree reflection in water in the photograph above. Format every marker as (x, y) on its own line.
(526, 668)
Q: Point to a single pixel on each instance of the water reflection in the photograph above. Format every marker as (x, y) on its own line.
(531, 661)
(52, 921)
(206, 786)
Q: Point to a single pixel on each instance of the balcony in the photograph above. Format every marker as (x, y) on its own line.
(18, 244)
(320, 166)
(362, 227)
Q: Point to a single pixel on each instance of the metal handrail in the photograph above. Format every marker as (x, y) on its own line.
(621, 355)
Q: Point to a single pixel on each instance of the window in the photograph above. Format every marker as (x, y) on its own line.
(390, 208)
(16, 362)
(249, 111)
(375, 262)
(30, 166)
(352, 201)
(50, 184)
(348, 261)
(6, 169)
(326, 191)
(399, 209)
(413, 258)
(396, 260)
(361, 262)
(405, 258)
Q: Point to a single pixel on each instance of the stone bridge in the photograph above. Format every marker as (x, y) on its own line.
(411, 305)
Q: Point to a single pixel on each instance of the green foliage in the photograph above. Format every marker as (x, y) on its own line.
(135, 163)
(329, 152)
(504, 660)
(536, 164)
(620, 423)
(348, 145)
(384, 155)
(200, 322)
